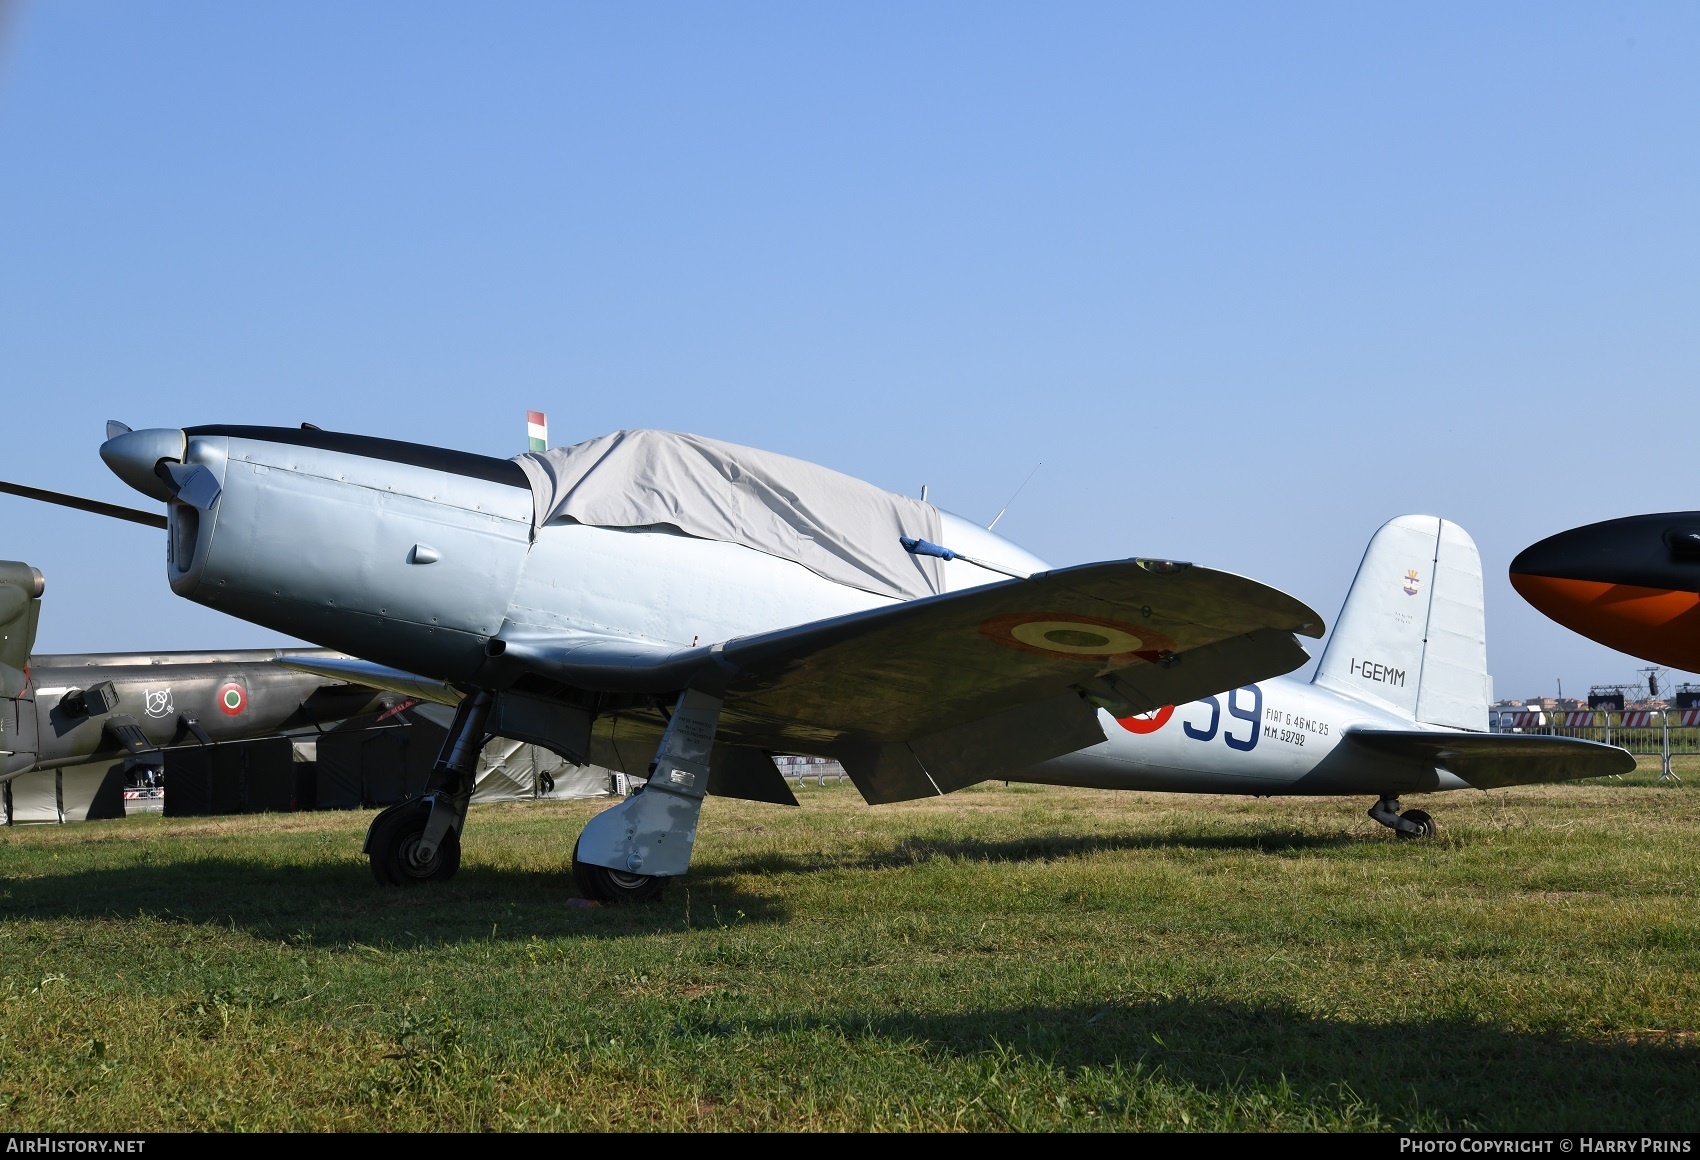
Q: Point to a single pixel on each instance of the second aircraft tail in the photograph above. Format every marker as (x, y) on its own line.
(1412, 635)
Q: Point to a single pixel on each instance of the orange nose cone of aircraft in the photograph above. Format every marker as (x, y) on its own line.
(1631, 584)
(1656, 624)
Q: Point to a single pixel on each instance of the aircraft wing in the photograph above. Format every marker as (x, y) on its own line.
(1496, 760)
(1121, 629)
(374, 676)
(929, 695)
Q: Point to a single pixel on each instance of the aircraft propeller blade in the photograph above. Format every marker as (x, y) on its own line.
(192, 483)
(114, 511)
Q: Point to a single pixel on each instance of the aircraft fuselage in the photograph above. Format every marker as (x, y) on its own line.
(1277, 737)
(81, 708)
(417, 557)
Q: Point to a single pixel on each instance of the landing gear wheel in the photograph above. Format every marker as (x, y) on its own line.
(1422, 819)
(394, 848)
(614, 886)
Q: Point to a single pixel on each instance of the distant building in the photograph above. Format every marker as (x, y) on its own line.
(1535, 704)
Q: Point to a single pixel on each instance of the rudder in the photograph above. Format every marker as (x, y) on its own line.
(1412, 635)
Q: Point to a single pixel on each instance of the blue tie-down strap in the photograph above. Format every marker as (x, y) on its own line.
(917, 547)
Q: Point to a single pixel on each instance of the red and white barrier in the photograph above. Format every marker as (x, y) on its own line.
(1611, 727)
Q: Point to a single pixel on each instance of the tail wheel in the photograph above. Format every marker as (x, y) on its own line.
(615, 886)
(1422, 820)
(394, 848)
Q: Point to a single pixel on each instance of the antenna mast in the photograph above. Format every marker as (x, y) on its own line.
(1011, 499)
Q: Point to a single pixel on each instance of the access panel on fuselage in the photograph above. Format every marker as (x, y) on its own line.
(662, 585)
(303, 532)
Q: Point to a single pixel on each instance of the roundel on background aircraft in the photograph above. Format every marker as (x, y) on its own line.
(232, 698)
(1068, 634)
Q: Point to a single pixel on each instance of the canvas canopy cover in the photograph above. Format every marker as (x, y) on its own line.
(833, 524)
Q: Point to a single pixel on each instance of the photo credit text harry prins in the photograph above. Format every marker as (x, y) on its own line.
(1545, 1145)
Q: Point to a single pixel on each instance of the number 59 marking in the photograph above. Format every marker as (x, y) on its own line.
(1252, 716)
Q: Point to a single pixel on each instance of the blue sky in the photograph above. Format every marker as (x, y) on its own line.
(1249, 279)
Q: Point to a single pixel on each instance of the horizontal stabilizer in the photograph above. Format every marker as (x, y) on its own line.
(374, 676)
(1495, 760)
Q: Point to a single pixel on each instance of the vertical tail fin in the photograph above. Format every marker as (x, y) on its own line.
(20, 610)
(1412, 635)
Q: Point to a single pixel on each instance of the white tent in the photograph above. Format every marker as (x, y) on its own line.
(507, 771)
(510, 771)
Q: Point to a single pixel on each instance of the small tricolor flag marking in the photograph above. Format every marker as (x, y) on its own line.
(537, 430)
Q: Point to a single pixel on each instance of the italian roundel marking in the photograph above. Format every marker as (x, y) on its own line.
(232, 698)
(1147, 722)
(1070, 635)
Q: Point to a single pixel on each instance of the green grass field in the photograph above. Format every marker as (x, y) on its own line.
(1002, 958)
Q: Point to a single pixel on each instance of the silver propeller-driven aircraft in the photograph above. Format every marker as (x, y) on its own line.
(679, 609)
(1399, 704)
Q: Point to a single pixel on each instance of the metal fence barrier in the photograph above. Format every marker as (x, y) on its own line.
(801, 769)
(1644, 732)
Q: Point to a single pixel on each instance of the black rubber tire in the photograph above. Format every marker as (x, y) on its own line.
(394, 838)
(612, 887)
(1422, 819)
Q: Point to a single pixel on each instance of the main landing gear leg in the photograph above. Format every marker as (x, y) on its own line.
(629, 851)
(419, 840)
(1410, 824)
